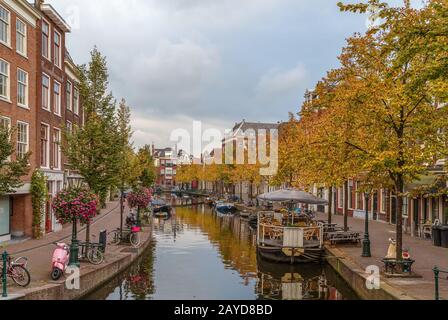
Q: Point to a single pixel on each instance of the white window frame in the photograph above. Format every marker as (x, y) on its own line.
(47, 164)
(69, 97)
(8, 26)
(8, 82)
(49, 46)
(59, 55)
(26, 104)
(58, 167)
(76, 101)
(69, 126)
(25, 38)
(27, 148)
(48, 107)
(340, 198)
(8, 120)
(383, 202)
(350, 184)
(57, 101)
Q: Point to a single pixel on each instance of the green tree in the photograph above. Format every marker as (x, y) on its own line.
(94, 149)
(148, 175)
(11, 170)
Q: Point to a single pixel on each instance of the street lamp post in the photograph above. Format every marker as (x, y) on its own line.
(74, 247)
(366, 253)
(139, 223)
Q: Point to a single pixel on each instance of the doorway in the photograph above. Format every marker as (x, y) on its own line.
(416, 214)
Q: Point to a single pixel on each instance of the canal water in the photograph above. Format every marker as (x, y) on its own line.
(197, 254)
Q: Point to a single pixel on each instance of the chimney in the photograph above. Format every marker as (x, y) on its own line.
(38, 3)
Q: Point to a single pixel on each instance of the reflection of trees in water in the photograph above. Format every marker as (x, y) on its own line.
(230, 235)
(139, 279)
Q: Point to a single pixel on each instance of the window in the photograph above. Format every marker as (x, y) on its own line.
(57, 49)
(22, 139)
(45, 39)
(340, 197)
(383, 200)
(45, 145)
(69, 127)
(4, 25)
(21, 46)
(76, 101)
(22, 88)
(351, 193)
(4, 79)
(46, 92)
(56, 149)
(359, 198)
(68, 95)
(5, 123)
(57, 98)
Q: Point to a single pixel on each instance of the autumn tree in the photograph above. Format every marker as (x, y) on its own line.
(395, 81)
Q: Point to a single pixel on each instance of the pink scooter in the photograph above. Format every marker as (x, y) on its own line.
(60, 260)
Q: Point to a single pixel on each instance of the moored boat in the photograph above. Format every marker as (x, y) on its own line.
(225, 208)
(284, 242)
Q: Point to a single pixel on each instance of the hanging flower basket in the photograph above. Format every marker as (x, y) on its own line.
(75, 203)
(140, 198)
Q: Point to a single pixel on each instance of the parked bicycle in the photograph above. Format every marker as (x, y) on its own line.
(94, 252)
(17, 271)
(129, 236)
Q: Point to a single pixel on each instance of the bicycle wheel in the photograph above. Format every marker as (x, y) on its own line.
(113, 237)
(95, 256)
(134, 239)
(20, 275)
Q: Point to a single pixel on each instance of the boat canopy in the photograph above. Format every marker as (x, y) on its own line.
(292, 195)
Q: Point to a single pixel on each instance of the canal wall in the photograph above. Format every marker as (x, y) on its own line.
(356, 278)
(92, 277)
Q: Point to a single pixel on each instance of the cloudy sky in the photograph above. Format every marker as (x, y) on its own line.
(215, 61)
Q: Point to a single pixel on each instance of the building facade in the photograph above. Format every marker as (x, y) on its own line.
(165, 162)
(39, 98)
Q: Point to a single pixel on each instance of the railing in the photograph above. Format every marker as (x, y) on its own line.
(437, 273)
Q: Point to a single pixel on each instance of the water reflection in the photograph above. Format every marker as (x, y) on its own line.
(199, 255)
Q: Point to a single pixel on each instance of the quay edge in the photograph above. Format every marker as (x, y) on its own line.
(92, 278)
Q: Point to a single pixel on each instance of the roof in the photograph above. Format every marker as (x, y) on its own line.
(243, 126)
(55, 17)
(161, 153)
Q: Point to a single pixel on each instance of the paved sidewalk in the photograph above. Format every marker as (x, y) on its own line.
(39, 252)
(426, 256)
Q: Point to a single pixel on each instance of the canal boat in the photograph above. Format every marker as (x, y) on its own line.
(290, 237)
(160, 208)
(225, 208)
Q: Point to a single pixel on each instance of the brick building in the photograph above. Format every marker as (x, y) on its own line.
(165, 161)
(39, 98)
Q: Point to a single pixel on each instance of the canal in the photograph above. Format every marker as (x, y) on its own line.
(197, 255)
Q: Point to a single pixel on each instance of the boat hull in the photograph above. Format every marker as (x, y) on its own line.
(294, 256)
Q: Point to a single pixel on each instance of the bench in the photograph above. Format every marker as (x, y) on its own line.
(343, 237)
(393, 266)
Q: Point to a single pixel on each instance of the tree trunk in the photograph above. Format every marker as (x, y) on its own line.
(400, 189)
(330, 203)
(346, 205)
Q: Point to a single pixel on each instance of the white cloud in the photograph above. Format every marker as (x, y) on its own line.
(173, 77)
(280, 82)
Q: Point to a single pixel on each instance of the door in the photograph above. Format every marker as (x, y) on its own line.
(48, 213)
(375, 206)
(5, 214)
(416, 214)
